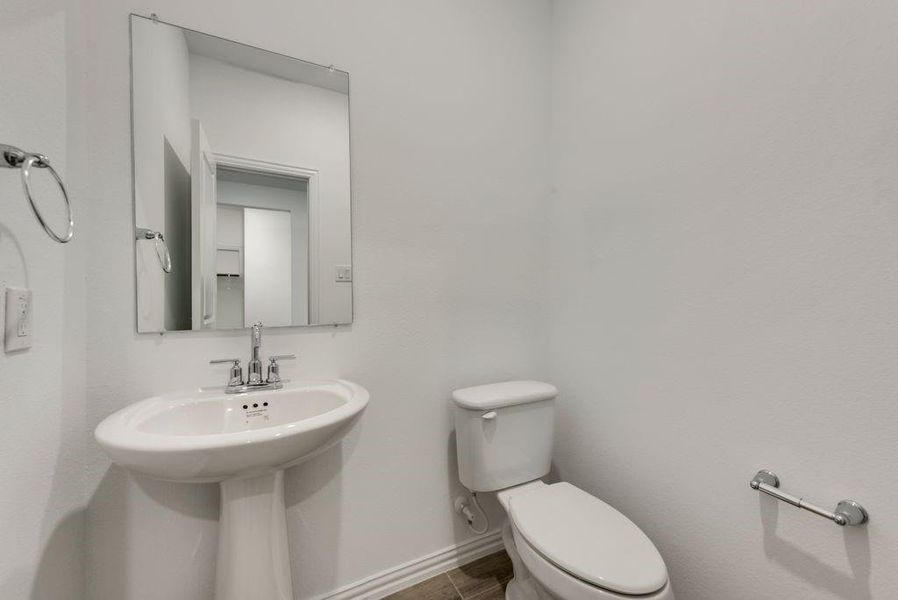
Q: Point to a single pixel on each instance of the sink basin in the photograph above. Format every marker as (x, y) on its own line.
(208, 435)
(244, 441)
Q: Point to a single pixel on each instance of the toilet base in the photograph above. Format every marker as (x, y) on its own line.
(522, 586)
(515, 591)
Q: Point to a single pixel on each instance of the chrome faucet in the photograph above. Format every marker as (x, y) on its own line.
(254, 381)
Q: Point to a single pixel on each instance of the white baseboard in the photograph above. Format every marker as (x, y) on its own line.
(392, 580)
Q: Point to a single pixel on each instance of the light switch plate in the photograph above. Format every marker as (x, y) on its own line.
(18, 319)
(343, 273)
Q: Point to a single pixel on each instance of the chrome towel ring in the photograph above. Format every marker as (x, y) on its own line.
(13, 158)
(162, 252)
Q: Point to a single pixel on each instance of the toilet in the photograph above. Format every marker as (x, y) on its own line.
(564, 543)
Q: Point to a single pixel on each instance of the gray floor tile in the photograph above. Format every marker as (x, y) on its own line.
(437, 588)
(482, 575)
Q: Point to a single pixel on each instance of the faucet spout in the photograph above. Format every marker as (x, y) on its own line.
(255, 363)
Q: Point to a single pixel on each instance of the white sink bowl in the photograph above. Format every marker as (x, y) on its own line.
(245, 441)
(207, 435)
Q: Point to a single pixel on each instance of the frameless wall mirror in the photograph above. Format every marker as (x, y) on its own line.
(241, 184)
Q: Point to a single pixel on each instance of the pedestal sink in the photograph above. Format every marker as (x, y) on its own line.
(243, 441)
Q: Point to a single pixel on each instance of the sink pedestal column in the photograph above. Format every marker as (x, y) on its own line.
(253, 556)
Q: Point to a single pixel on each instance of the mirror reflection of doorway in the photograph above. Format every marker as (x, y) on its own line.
(262, 248)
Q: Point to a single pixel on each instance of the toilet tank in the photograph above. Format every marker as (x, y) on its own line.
(504, 433)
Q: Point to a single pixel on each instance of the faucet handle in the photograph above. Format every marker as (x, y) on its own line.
(236, 375)
(274, 369)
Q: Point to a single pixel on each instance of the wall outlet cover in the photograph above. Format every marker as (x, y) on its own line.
(343, 273)
(18, 319)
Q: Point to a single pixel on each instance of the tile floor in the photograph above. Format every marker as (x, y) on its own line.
(483, 579)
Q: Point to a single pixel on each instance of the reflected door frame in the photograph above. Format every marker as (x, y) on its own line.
(241, 163)
(203, 200)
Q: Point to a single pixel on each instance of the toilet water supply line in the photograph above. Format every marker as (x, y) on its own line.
(462, 508)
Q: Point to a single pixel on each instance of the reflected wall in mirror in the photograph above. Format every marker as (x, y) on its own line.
(241, 184)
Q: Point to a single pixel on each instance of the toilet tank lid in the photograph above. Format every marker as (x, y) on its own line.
(507, 393)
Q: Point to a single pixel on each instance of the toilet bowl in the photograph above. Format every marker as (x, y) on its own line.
(564, 543)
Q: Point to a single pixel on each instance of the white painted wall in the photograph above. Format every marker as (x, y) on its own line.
(253, 115)
(42, 442)
(449, 210)
(724, 291)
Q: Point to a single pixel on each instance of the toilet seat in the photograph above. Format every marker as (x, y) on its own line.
(561, 584)
(585, 543)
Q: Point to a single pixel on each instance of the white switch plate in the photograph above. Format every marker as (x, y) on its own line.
(18, 319)
(343, 273)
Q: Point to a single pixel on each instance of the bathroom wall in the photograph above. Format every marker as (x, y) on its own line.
(449, 191)
(42, 444)
(724, 289)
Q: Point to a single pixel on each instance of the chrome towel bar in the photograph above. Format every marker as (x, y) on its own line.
(16, 158)
(847, 512)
